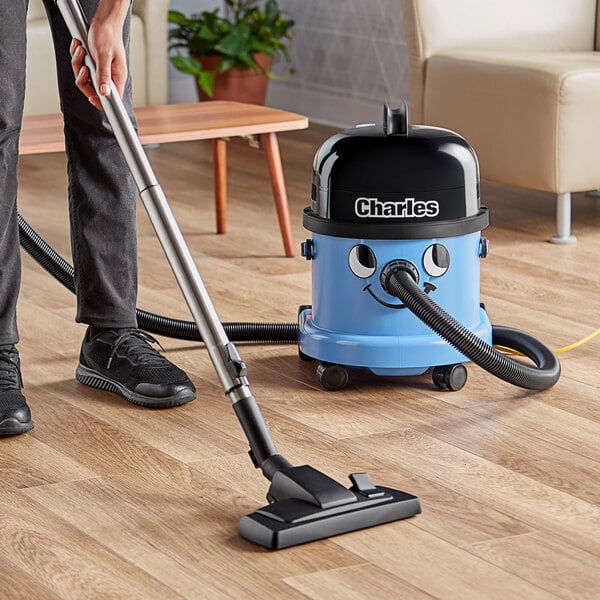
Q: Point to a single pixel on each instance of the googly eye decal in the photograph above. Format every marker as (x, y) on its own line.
(362, 261)
(436, 260)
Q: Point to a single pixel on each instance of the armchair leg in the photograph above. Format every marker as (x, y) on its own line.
(563, 220)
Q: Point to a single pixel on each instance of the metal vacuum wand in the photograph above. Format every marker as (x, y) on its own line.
(305, 504)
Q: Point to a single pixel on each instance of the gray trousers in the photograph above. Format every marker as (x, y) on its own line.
(102, 194)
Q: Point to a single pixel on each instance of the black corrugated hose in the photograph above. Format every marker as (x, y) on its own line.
(400, 283)
(61, 270)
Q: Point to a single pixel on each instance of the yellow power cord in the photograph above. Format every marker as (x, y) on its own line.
(572, 346)
(582, 341)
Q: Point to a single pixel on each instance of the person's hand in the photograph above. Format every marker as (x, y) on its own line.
(105, 43)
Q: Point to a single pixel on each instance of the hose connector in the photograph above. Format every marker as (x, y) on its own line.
(395, 266)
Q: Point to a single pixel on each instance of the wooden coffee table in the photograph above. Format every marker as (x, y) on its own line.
(215, 120)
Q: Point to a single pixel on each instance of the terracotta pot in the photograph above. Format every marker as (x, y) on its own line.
(241, 85)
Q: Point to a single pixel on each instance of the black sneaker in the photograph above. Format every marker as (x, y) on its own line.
(122, 361)
(15, 416)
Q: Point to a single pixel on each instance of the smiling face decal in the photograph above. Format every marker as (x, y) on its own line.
(363, 263)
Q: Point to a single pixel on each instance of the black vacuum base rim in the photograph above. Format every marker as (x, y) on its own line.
(267, 528)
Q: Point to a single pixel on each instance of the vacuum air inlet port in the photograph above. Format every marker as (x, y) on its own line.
(393, 267)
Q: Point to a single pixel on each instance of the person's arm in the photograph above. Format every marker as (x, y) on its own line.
(105, 44)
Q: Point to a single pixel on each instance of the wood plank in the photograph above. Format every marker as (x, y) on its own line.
(399, 548)
(63, 559)
(547, 562)
(360, 581)
(169, 541)
(538, 505)
(540, 419)
(17, 585)
(28, 462)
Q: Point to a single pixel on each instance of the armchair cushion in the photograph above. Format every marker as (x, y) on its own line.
(540, 132)
(439, 27)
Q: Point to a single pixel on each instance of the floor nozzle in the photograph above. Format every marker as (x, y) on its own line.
(307, 505)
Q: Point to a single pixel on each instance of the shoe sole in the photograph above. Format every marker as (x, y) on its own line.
(92, 378)
(12, 426)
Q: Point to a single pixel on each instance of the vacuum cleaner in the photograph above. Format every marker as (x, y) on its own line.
(304, 503)
(396, 244)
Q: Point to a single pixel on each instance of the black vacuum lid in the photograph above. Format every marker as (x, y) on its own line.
(395, 179)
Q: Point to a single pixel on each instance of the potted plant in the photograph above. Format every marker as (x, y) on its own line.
(231, 56)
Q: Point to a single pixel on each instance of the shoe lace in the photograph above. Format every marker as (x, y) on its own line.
(136, 344)
(10, 377)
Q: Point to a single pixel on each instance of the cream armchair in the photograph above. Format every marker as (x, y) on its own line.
(148, 57)
(520, 80)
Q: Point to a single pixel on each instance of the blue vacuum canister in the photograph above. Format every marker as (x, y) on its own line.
(396, 244)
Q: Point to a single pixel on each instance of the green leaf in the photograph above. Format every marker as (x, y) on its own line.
(206, 82)
(186, 64)
(208, 33)
(271, 11)
(263, 48)
(248, 61)
(227, 62)
(178, 18)
(237, 41)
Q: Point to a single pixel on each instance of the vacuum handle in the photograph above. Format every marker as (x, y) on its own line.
(230, 369)
(395, 120)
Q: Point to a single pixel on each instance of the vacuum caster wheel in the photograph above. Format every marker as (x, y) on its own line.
(450, 377)
(332, 377)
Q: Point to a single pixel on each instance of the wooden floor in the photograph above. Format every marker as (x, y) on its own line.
(107, 500)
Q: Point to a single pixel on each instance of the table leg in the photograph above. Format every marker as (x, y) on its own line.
(271, 145)
(220, 168)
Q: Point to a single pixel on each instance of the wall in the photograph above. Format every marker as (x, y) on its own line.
(349, 56)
